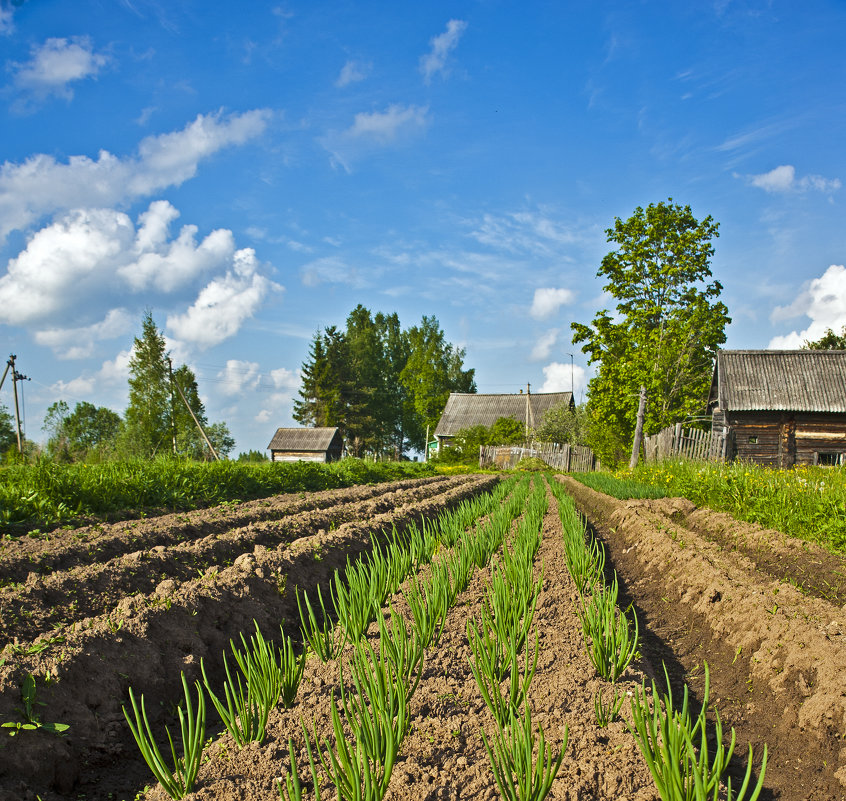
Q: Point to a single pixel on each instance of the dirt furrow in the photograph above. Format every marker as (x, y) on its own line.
(775, 654)
(64, 597)
(63, 549)
(148, 640)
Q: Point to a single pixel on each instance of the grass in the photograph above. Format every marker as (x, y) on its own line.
(807, 502)
(47, 492)
(622, 487)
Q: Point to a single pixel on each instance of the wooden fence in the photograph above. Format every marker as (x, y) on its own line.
(676, 442)
(571, 458)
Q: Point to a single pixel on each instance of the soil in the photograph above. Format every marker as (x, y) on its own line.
(140, 601)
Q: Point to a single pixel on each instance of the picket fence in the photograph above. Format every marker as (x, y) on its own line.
(674, 442)
(570, 458)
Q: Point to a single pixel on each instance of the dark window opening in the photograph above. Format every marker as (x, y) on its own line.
(829, 459)
(753, 440)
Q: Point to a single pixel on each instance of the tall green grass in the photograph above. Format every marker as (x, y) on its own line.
(621, 487)
(46, 493)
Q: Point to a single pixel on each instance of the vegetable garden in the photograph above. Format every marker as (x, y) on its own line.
(438, 637)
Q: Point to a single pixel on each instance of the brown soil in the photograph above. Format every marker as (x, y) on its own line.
(700, 592)
(776, 655)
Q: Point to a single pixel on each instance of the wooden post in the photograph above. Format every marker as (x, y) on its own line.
(638, 436)
(191, 412)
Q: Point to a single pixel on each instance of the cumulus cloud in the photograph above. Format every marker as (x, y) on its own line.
(263, 416)
(112, 373)
(823, 300)
(544, 345)
(373, 130)
(57, 63)
(224, 304)
(284, 378)
(78, 343)
(239, 376)
(92, 255)
(435, 60)
(42, 185)
(548, 301)
(783, 179)
(352, 72)
(558, 378)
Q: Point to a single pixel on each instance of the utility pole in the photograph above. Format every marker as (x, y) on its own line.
(572, 381)
(16, 376)
(638, 436)
(172, 405)
(191, 412)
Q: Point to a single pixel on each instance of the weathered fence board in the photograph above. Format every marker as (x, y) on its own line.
(676, 442)
(571, 458)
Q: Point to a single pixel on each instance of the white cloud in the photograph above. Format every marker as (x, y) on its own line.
(224, 304)
(329, 270)
(783, 179)
(377, 129)
(532, 232)
(263, 416)
(96, 255)
(111, 374)
(441, 46)
(56, 64)
(558, 378)
(544, 345)
(352, 72)
(548, 301)
(78, 343)
(7, 18)
(239, 376)
(823, 300)
(41, 185)
(285, 379)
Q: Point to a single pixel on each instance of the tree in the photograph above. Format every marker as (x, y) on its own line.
(148, 420)
(87, 431)
(221, 439)
(252, 456)
(8, 437)
(189, 440)
(665, 332)
(563, 425)
(829, 341)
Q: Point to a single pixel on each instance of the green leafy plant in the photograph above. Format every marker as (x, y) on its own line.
(675, 748)
(291, 790)
(179, 781)
(326, 639)
(31, 720)
(607, 712)
(612, 645)
(520, 775)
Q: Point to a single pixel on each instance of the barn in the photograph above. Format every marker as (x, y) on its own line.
(465, 409)
(306, 445)
(781, 408)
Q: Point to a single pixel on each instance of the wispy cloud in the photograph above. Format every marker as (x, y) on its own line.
(330, 270)
(783, 179)
(54, 65)
(435, 61)
(533, 232)
(353, 72)
(544, 345)
(375, 130)
(42, 185)
(78, 343)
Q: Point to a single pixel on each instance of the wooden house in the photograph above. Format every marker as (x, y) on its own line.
(306, 445)
(781, 408)
(465, 409)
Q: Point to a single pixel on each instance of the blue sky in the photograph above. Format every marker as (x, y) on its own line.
(252, 173)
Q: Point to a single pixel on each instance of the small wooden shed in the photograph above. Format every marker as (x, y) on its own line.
(781, 408)
(466, 409)
(306, 445)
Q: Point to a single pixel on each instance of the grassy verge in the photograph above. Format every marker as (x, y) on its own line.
(620, 487)
(48, 493)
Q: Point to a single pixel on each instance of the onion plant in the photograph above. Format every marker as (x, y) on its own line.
(291, 790)
(354, 601)
(326, 639)
(607, 629)
(427, 601)
(403, 649)
(675, 748)
(179, 781)
(520, 775)
(607, 712)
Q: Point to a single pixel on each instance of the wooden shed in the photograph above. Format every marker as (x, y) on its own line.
(306, 445)
(466, 409)
(781, 408)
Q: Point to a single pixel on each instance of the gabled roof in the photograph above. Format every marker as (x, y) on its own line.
(303, 440)
(780, 380)
(470, 409)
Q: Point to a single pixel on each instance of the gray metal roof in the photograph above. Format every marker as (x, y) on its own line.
(471, 409)
(302, 439)
(780, 380)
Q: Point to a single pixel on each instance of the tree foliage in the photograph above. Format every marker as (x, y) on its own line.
(8, 437)
(563, 425)
(380, 384)
(828, 341)
(156, 414)
(88, 432)
(666, 328)
(464, 448)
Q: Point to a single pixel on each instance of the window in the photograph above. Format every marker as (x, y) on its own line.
(753, 440)
(829, 459)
